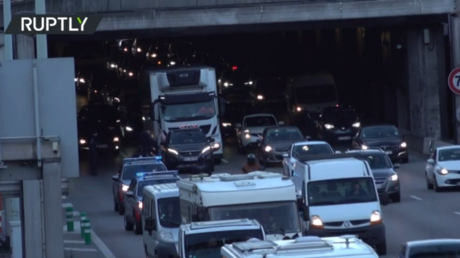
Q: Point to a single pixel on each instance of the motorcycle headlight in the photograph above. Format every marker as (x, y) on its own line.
(328, 126)
(268, 149)
(173, 151)
(247, 136)
(124, 188)
(82, 80)
(298, 109)
(357, 124)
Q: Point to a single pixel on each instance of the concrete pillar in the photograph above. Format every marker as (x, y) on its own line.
(2, 46)
(25, 47)
(426, 80)
(455, 50)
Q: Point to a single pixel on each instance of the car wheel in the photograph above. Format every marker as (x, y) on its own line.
(115, 205)
(381, 248)
(121, 209)
(396, 197)
(429, 185)
(436, 187)
(137, 227)
(128, 226)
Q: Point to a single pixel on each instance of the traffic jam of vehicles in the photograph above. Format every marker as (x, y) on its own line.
(327, 202)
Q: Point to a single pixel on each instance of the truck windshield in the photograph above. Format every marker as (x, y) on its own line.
(188, 111)
(207, 245)
(341, 191)
(276, 218)
(129, 172)
(169, 212)
(316, 94)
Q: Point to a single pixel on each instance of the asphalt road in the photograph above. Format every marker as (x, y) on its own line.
(422, 213)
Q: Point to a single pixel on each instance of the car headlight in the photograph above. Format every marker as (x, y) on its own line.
(443, 171)
(76, 80)
(130, 74)
(298, 109)
(260, 97)
(328, 126)
(403, 145)
(215, 146)
(364, 147)
(82, 80)
(82, 141)
(112, 65)
(124, 188)
(140, 205)
(394, 177)
(172, 63)
(357, 124)
(129, 129)
(173, 151)
(116, 139)
(268, 149)
(139, 49)
(166, 236)
(316, 221)
(226, 84)
(118, 121)
(226, 124)
(375, 217)
(206, 149)
(154, 55)
(247, 136)
(143, 118)
(246, 131)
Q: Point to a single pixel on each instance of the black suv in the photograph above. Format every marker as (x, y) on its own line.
(188, 149)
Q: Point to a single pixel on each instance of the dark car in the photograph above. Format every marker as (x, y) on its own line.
(275, 142)
(124, 45)
(179, 52)
(385, 177)
(133, 68)
(188, 149)
(132, 121)
(140, 47)
(157, 54)
(269, 92)
(384, 137)
(103, 119)
(129, 170)
(133, 197)
(235, 78)
(338, 124)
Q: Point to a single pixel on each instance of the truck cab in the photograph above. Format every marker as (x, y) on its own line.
(266, 196)
(205, 239)
(341, 182)
(161, 220)
(303, 247)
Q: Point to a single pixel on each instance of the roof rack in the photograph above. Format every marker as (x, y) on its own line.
(154, 158)
(222, 223)
(363, 151)
(307, 158)
(158, 173)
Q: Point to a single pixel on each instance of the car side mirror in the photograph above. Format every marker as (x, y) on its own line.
(396, 165)
(305, 213)
(129, 193)
(149, 225)
(115, 178)
(430, 161)
(285, 155)
(211, 140)
(281, 123)
(384, 199)
(238, 126)
(195, 218)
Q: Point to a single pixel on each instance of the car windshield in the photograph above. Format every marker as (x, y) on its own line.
(449, 154)
(379, 132)
(207, 245)
(378, 161)
(313, 149)
(446, 250)
(259, 121)
(283, 134)
(188, 111)
(130, 171)
(276, 218)
(341, 191)
(316, 94)
(169, 212)
(158, 181)
(338, 114)
(191, 137)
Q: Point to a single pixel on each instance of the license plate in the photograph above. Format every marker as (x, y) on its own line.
(344, 138)
(103, 146)
(388, 152)
(190, 158)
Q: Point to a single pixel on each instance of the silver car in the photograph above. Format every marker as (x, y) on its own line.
(431, 248)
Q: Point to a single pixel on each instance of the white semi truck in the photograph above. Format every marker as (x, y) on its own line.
(182, 97)
(268, 197)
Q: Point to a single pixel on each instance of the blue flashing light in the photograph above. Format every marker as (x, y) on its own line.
(141, 174)
(158, 157)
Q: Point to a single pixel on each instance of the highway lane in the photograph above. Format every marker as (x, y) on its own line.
(421, 214)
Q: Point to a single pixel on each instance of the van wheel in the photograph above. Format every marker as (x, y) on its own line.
(381, 248)
(121, 209)
(128, 226)
(429, 185)
(137, 227)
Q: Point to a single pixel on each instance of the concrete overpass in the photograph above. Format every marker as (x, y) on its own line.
(167, 14)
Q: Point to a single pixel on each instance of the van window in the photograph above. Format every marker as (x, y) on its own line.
(446, 250)
(169, 212)
(341, 191)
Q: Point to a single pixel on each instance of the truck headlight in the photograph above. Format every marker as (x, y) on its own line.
(124, 188)
(394, 177)
(376, 217)
(268, 149)
(328, 126)
(357, 124)
(403, 145)
(166, 236)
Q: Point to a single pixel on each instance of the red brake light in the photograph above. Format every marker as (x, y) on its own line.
(234, 68)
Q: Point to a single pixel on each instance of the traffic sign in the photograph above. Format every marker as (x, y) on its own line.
(454, 81)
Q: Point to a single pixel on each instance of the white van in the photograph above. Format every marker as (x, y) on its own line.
(161, 220)
(340, 198)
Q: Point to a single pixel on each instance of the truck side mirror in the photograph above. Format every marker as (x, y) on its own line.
(115, 178)
(195, 218)
(306, 213)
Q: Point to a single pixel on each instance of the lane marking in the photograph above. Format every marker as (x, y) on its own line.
(104, 249)
(456, 212)
(81, 249)
(74, 241)
(416, 198)
(225, 161)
